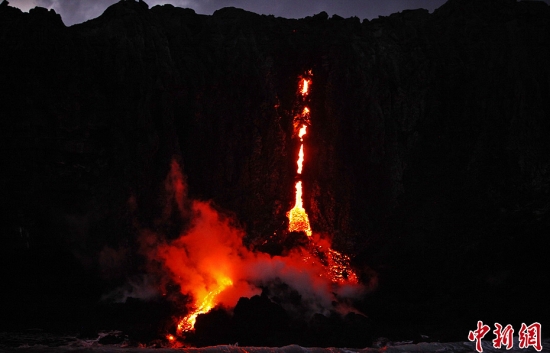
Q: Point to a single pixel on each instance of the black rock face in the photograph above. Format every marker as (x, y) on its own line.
(427, 159)
(259, 321)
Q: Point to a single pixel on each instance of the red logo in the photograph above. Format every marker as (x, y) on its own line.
(504, 337)
(478, 334)
(528, 336)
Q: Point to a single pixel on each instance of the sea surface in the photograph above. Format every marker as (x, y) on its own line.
(40, 341)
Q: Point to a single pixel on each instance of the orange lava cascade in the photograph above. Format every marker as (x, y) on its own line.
(303, 131)
(206, 304)
(298, 220)
(300, 159)
(305, 87)
(337, 265)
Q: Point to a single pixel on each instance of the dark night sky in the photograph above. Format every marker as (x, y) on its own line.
(77, 11)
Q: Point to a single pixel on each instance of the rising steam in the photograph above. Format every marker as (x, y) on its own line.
(210, 263)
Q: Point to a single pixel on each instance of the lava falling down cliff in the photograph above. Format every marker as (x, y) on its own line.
(298, 220)
(210, 264)
(338, 265)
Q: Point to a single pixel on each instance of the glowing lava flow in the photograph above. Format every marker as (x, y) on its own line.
(338, 265)
(208, 302)
(305, 87)
(298, 220)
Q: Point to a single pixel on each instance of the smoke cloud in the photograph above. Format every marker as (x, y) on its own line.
(140, 287)
(209, 257)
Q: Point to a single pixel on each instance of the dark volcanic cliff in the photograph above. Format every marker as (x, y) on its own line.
(427, 159)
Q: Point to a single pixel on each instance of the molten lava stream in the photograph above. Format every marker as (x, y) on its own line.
(206, 304)
(337, 265)
(298, 220)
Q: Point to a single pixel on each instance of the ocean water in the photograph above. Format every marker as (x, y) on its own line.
(41, 341)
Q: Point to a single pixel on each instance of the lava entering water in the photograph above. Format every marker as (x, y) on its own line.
(208, 303)
(210, 264)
